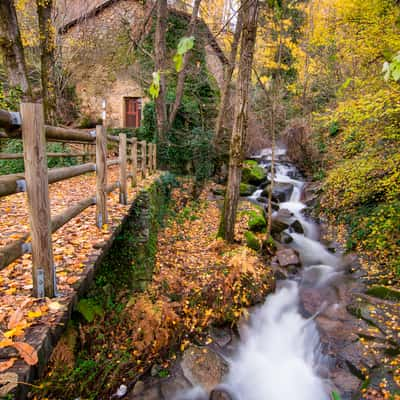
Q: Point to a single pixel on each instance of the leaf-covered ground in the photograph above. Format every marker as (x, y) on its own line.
(198, 281)
(72, 249)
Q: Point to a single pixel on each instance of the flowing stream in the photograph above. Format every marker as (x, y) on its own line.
(279, 356)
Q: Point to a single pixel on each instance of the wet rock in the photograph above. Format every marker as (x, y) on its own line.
(174, 385)
(280, 274)
(286, 238)
(151, 393)
(311, 300)
(358, 359)
(380, 374)
(138, 388)
(297, 227)
(345, 382)
(278, 226)
(288, 257)
(310, 193)
(262, 200)
(247, 189)
(221, 394)
(284, 215)
(222, 337)
(155, 369)
(253, 173)
(282, 192)
(203, 367)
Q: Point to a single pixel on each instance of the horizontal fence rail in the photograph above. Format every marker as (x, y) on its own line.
(29, 127)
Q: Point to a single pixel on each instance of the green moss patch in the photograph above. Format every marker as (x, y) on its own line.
(253, 173)
(252, 241)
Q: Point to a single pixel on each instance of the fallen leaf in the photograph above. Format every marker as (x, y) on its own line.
(34, 314)
(15, 319)
(4, 365)
(27, 352)
(10, 381)
(5, 343)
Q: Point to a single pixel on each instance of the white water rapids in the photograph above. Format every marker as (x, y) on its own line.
(279, 356)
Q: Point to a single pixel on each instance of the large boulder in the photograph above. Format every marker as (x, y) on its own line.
(246, 189)
(280, 193)
(203, 367)
(253, 173)
(288, 257)
(257, 222)
(252, 241)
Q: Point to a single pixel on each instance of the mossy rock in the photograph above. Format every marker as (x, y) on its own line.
(252, 241)
(384, 292)
(247, 189)
(253, 173)
(257, 222)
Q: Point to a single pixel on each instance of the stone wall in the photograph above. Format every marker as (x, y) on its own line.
(95, 51)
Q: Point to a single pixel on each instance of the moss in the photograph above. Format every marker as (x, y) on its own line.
(384, 292)
(246, 189)
(253, 173)
(252, 241)
(257, 222)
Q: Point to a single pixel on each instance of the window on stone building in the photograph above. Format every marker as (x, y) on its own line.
(133, 111)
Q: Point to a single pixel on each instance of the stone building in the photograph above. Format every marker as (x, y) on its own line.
(96, 37)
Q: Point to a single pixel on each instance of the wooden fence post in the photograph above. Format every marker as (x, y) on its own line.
(134, 162)
(36, 177)
(101, 176)
(149, 158)
(154, 157)
(123, 198)
(144, 158)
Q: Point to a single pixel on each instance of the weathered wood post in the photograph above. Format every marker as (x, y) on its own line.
(101, 176)
(144, 158)
(154, 157)
(134, 162)
(149, 158)
(36, 178)
(123, 198)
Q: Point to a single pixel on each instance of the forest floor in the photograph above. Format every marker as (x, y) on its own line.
(199, 281)
(74, 245)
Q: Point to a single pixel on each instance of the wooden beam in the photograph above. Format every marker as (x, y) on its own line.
(134, 162)
(143, 158)
(16, 156)
(16, 249)
(123, 194)
(154, 157)
(15, 183)
(101, 176)
(149, 158)
(33, 135)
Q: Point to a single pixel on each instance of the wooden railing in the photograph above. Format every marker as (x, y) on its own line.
(29, 126)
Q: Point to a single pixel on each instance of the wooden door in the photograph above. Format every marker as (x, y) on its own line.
(132, 112)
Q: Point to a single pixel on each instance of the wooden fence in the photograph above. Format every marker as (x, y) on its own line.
(29, 126)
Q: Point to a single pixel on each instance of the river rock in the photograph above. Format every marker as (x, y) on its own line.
(277, 227)
(310, 193)
(284, 215)
(221, 394)
(288, 257)
(203, 367)
(282, 192)
(297, 227)
(262, 199)
(222, 337)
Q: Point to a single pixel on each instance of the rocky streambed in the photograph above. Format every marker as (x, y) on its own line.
(322, 330)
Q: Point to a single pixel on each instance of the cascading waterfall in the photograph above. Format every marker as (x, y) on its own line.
(279, 356)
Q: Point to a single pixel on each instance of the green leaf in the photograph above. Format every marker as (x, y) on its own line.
(335, 396)
(178, 61)
(185, 44)
(154, 89)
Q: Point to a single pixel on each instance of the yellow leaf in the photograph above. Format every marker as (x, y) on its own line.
(5, 343)
(34, 314)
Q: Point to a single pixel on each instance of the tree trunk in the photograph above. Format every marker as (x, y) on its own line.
(47, 47)
(228, 217)
(218, 137)
(182, 74)
(160, 63)
(12, 49)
